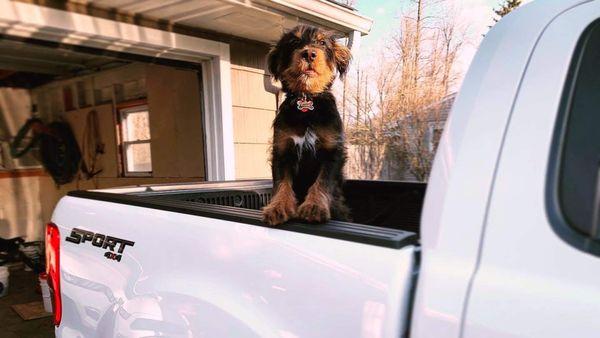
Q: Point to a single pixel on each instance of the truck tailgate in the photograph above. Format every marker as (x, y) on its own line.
(193, 275)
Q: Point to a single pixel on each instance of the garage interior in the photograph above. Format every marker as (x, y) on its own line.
(135, 120)
(149, 121)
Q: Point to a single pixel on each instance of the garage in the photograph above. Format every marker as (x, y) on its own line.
(121, 146)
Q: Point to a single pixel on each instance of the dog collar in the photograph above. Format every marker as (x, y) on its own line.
(304, 103)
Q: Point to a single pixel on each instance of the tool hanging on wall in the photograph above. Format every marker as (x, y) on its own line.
(58, 148)
(92, 146)
(59, 152)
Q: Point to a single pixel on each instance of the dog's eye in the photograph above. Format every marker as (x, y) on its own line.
(322, 42)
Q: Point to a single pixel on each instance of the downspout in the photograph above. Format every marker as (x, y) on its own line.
(354, 42)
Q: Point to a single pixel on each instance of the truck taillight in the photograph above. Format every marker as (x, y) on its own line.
(53, 268)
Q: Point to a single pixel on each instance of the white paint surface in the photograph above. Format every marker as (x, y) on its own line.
(530, 283)
(194, 276)
(462, 178)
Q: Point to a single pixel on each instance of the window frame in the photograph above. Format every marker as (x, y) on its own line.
(122, 111)
(437, 131)
(557, 219)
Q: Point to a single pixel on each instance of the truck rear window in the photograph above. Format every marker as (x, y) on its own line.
(574, 182)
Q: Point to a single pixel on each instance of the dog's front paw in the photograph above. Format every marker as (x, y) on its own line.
(279, 212)
(314, 212)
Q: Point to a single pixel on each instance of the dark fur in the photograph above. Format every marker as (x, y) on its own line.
(307, 184)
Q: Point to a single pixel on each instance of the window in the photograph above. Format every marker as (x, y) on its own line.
(436, 137)
(574, 176)
(135, 136)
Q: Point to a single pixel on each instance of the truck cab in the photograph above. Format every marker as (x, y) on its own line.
(508, 248)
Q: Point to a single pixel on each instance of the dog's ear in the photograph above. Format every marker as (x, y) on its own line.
(341, 57)
(274, 60)
(279, 55)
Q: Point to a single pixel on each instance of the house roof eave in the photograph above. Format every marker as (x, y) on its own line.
(326, 13)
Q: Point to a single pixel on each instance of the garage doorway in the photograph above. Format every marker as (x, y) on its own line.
(136, 120)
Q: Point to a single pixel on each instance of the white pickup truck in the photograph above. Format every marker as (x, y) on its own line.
(504, 241)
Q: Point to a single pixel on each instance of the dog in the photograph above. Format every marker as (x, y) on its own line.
(307, 152)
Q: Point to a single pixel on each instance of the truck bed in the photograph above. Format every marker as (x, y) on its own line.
(385, 213)
(199, 261)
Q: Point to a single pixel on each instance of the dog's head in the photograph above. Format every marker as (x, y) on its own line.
(306, 58)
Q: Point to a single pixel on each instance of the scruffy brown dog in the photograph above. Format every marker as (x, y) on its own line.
(308, 152)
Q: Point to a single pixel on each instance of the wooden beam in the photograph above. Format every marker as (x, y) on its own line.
(17, 173)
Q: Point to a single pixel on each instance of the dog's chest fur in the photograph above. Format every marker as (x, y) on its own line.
(306, 143)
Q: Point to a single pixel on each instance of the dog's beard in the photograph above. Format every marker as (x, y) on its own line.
(299, 78)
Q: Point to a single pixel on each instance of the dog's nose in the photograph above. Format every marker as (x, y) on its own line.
(309, 55)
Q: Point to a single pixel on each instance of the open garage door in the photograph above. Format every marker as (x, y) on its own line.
(135, 120)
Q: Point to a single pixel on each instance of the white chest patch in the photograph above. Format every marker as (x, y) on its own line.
(307, 142)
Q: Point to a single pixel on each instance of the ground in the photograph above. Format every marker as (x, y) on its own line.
(22, 290)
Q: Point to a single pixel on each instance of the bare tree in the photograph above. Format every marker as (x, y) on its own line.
(374, 110)
(391, 108)
(362, 134)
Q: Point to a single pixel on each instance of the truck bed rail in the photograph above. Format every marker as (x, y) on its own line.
(367, 234)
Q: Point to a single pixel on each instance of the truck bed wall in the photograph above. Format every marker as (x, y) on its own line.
(388, 204)
(190, 274)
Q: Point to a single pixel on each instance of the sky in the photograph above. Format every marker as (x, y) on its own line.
(477, 14)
